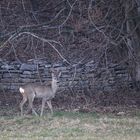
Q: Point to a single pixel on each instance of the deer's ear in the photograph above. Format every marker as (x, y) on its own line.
(52, 70)
(59, 73)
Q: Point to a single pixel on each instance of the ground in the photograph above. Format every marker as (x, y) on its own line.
(123, 124)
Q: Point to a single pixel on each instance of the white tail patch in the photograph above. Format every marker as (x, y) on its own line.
(21, 90)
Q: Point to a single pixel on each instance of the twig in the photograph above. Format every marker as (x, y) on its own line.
(13, 37)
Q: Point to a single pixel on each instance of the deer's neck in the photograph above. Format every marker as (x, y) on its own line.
(54, 86)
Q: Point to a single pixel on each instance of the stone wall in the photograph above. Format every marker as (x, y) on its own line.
(81, 77)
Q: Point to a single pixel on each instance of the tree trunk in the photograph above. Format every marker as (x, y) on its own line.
(132, 15)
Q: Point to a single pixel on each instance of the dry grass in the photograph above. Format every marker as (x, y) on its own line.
(69, 126)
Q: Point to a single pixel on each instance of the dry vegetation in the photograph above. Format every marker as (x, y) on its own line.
(70, 125)
(77, 32)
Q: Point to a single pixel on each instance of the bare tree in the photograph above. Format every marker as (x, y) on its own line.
(77, 32)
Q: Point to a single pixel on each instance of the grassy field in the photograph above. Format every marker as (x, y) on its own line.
(70, 126)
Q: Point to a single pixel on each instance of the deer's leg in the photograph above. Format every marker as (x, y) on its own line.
(22, 103)
(43, 105)
(30, 107)
(50, 106)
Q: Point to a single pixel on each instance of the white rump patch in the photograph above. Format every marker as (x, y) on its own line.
(21, 90)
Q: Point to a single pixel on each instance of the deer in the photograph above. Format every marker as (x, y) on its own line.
(47, 92)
